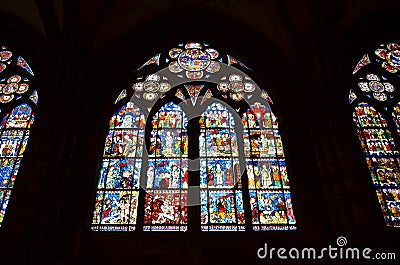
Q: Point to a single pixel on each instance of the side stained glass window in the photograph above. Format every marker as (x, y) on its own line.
(269, 189)
(220, 194)
(15, 128)
(17, 97)
(118, 186)
(382, 158)
(376, 104)
(167, 171)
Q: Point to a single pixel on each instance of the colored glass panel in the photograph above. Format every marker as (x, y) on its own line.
(194, 92)
(221, 199)
(167, 171)
(118, 186)
(396, 117)
(121, 96)
(269, 187)
(155, 59)
(363, 62)
(14, 131)
(34, 97)
(382, 159)
(21, 62)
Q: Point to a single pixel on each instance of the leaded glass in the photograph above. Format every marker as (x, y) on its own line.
(376, 114)
(167, 171)
(220, 194)
(382, 159)
(15, 130)
(269, 188)
(118, 185)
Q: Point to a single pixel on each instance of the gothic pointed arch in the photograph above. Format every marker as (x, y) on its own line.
(375, 101)
(195, 104)
(18, 99)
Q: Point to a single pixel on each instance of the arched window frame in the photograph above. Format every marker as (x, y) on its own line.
(374, 99)
(221, 78)
(18, 103)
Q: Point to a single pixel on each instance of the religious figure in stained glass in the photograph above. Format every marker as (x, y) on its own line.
(167, 171)
(218, 89)
(269, 188)
(376, 116)
(118, 187)
(221, 202)
(16, 98)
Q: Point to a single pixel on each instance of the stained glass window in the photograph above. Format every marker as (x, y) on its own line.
(220, 194)
(118, 185)
(201, 166)
(167, 171)
(269, 187)
(376, 115)
(16, 97)
(382, 158)
(15, 128)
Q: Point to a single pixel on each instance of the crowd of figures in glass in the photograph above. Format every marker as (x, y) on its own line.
(17, 98)
(270, 196)
(118, 186)
(376, 116)
(167, 171)
(160, 174)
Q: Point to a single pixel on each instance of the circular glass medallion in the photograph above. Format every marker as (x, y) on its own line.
(194, 60)
(153, 77)
(138, 86)
(194, 75)
(389, 87)
(213, 67)
(164, 87)
(174, 53)
(14, 79)
(174, 67)
(213, 53)
(236, 87)
(5, 55)
(373, 77)
(10, 88)
(223, 87)
(151, 86)
(6, 98)
(363, 86)
(235, 78)
(249, 87)
(237, 96)
(376, 86)
(380, 96)
(150, 96)
(22, 88)
(393, 58)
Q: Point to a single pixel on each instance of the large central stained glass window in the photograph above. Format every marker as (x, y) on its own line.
(205, 137)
